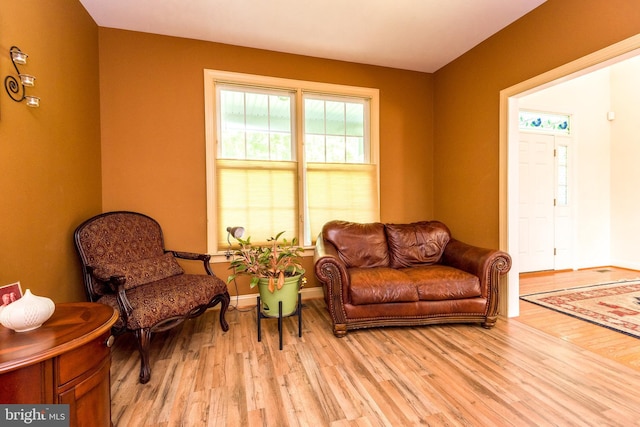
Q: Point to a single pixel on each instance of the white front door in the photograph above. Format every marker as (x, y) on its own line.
(536, 197)
(545, 214)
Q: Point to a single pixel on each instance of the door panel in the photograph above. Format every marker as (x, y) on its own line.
(536, 200)
(563, 209)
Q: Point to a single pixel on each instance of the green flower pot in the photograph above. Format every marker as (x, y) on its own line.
(288, 294)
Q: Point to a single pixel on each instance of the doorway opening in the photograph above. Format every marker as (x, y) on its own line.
(509, 154)
(546, 190)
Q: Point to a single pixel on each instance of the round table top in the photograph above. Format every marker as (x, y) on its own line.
(70, 326)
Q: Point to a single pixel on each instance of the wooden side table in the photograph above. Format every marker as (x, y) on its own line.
(65, 361)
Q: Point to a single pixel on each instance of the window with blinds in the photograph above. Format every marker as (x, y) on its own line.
(341, 181)
(286, 155)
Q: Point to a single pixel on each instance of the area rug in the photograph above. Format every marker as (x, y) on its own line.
(615, 305)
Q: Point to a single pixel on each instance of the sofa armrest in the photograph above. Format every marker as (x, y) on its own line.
(332, 272)
(487, 264)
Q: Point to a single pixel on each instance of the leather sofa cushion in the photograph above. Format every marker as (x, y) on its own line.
(358, 245)
(424, 283)
(441, 282)
(380, 285)
(418, 243)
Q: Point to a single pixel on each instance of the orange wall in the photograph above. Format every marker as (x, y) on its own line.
(49, 156)
(153, 127)
(467, 101)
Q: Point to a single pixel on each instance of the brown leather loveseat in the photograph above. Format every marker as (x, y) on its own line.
(405, 274)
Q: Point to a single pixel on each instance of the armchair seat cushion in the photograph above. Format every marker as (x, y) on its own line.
(167, 298)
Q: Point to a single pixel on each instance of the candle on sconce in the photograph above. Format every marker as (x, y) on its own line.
(19, 57)
(27, 79)
(32, 101)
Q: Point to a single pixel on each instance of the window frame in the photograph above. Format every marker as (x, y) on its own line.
(212, 78)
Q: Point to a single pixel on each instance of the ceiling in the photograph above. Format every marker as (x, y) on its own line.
(419, 35)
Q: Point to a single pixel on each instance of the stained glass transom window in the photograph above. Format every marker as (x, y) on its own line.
(545, 122)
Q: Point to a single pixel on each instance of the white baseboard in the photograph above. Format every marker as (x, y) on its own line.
(629, 264)
(249, 300)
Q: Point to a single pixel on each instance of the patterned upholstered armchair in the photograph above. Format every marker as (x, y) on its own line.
(125, 265)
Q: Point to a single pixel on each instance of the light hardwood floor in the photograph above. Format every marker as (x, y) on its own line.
(540, 369)
(605, 342)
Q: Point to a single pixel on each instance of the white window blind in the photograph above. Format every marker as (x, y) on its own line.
(261, 196)
(341, 191)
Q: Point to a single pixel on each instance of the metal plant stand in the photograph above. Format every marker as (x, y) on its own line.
(297, 312)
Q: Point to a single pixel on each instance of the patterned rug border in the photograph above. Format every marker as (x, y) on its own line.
(578, 288)
(574, 288)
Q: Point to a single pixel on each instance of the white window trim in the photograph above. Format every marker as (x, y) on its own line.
(213, 77)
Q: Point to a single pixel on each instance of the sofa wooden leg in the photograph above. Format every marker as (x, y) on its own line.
(489, 323)
(340, 330)
(144, 341)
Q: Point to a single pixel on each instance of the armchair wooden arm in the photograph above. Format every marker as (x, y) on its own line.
(116, 285)
(193, 256)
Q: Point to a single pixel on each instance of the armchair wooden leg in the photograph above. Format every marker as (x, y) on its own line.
(144, 341)
(225, 299)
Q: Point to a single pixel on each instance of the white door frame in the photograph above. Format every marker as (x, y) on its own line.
(508, 160)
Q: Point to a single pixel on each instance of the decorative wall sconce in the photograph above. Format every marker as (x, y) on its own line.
(16, 88)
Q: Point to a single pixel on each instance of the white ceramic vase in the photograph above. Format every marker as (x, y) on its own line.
(27, 313)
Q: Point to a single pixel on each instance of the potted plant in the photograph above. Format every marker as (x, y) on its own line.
(275, 268)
